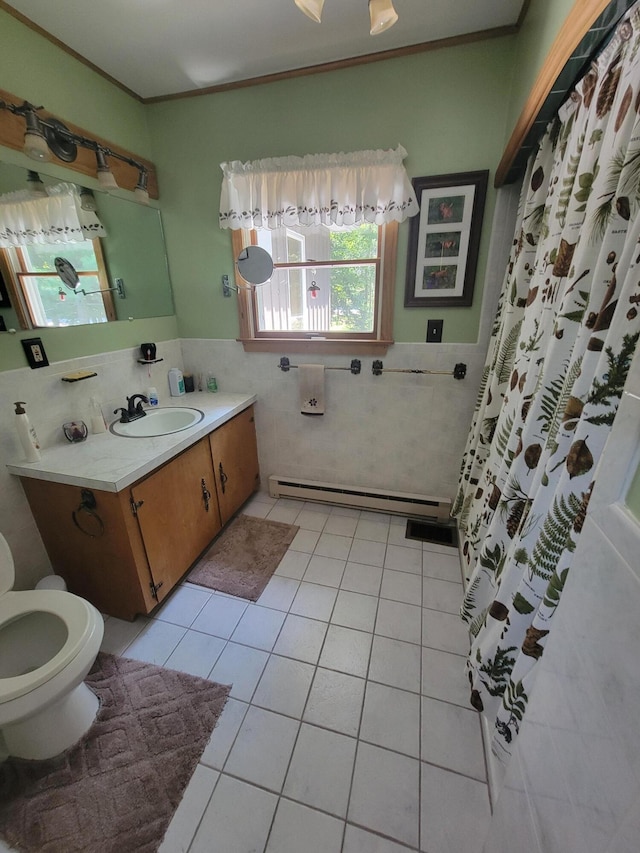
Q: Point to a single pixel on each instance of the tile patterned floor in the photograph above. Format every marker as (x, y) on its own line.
(348, 729)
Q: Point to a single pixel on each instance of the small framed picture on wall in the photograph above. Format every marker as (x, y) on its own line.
(444, 239)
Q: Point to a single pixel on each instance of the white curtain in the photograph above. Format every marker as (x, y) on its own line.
(567, 327)
(57, 217)
(318, 189)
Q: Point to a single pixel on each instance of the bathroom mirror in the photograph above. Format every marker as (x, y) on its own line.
(134, 249)
(255, 265)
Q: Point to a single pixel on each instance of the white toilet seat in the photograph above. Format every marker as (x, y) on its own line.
(78, 617)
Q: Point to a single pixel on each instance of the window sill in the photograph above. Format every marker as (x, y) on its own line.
(342, 346)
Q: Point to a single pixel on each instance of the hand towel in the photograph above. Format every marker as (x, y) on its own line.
(311, 377)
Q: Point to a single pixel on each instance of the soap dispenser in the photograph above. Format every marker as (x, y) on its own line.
(27, 434)
(176, 382)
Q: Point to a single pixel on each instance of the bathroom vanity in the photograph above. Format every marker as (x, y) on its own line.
(123, 519)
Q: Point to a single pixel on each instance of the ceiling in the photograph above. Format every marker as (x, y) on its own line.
(158, 48)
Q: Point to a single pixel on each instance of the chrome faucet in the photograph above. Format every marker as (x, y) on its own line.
(134, 410)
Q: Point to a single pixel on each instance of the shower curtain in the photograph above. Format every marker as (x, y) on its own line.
(565, 331)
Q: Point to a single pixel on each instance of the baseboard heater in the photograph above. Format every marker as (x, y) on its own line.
(400, 503)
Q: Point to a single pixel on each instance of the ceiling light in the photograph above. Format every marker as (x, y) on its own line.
(311, 8)
(382, 15)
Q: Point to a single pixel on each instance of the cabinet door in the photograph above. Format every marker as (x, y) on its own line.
(235, 462)
(178, 514)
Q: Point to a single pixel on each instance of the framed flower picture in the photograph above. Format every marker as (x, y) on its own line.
(444, 239)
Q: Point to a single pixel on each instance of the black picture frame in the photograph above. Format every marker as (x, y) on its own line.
(444, 239)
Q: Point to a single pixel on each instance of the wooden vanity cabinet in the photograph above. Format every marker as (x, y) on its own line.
(234, 452)
(125, 551)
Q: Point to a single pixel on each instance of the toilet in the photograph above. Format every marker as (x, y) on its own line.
(49, 640)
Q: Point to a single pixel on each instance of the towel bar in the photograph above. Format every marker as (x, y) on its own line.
(458, 372)
(355, 366)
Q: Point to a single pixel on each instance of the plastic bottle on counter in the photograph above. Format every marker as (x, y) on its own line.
(176, 382)
(152, 395)
(98, 423)
(27, 434)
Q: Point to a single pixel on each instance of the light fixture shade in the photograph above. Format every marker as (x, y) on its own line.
(311, 8)
(35, 185)
(141, 193)
(35, 146)
(104, 173)
(382, 15)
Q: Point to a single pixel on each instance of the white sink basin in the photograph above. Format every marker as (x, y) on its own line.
(162, 421)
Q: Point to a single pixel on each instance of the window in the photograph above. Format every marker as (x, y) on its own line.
(332, 288)
(40, 297)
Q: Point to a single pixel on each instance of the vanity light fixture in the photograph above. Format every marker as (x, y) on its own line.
(44, 136)
(34, 185)
(382, 15)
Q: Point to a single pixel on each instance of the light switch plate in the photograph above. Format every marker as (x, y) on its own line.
(434, 331)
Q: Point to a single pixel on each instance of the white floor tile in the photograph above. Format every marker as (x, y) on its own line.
(398, 536)
(330, 545)
(367, 552)
(356, 840)
(309, 519)
(385, 795)
(374, 530)
(327, 571)
(335, 701)
(118, 634)
(305, 541)
(445, 631)
(237, 819)
(321, 769)
(156, 642)
(395, 663)
(401, 586)
(445, 566)
(455, 812)
(297, 827)
(259, 627)
(301, 638)
(346, 650)
(390, 718)
(183, 605)
(263, 748)
(341, 525)
(183, 825)
(444, 677)
(354, 610)
(257, 509)
(399, 621)
(284, 514)
(442, 595)
(359, 577)
(278, 593)
(293, 564)
(220, 743)
(314, 601)
(403, 559)
(284, 686)
(219, 616)
(346, 510)
(196, 653)
(451, 738)
(241, 667)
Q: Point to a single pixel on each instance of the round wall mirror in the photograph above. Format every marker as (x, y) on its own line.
(255, 265)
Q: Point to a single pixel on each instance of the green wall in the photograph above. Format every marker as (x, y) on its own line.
(446, 107)
(34, 69)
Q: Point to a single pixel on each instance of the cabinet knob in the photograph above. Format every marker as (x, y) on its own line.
(206, 495)
(223, 477)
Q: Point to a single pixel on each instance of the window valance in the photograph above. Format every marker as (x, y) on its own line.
(317, 189)
(57, 217)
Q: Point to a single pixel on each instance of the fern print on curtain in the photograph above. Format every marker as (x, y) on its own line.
(566, 329)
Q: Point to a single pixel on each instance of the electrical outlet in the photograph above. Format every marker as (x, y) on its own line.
(434, 331)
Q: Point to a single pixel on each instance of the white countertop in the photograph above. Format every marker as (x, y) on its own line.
(111, 462)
